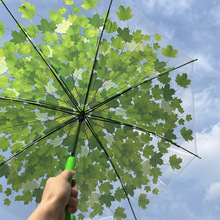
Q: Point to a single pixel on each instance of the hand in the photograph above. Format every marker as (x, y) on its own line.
(58, 191)
(56, 196)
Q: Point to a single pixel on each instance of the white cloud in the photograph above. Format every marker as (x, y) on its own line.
(206, 170)
(201, 35)
(187, 98)
(168, 7)
(213, 191)
(177, 7)
(215, 15)
(204, 63)
(149, 5)
(207, 106)
(167, 32)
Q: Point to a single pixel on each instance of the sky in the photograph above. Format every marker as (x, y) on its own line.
(194, 26)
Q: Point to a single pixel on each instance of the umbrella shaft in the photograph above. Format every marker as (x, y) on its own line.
(76, 139)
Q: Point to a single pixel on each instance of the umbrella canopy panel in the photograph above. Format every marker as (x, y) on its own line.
(100, 66)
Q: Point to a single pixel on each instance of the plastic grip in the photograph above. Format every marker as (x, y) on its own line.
(70, 165)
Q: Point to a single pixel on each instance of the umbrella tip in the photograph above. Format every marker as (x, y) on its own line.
(198, 157)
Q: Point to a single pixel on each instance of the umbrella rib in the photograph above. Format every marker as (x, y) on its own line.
(96, 55)
(52, 69)
(99, 118)
(133, 87)
(113, 166)
(57, 128)
(52, 107)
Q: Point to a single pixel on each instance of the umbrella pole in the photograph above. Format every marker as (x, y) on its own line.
(76, 139)
(70, 164)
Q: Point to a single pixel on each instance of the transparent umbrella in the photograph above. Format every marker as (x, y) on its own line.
(92, 80)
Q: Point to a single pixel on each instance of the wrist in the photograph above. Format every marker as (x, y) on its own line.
(48, 210)
(53, 208)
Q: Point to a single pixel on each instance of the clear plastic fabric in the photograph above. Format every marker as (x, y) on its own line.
(106, 60)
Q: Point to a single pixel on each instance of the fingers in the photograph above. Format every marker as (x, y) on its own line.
(72, 210)
(72, 202)
(74, 192)
(72, 205)
(74, 183)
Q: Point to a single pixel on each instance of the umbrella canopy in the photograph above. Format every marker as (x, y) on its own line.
(94, 79)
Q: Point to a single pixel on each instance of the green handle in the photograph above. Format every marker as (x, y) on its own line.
(70, 164)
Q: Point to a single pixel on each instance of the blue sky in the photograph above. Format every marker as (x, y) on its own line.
(194, 27)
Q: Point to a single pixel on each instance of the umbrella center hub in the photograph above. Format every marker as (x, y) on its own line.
(82, 115)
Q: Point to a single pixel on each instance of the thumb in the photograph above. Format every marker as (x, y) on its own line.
(67, 174)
